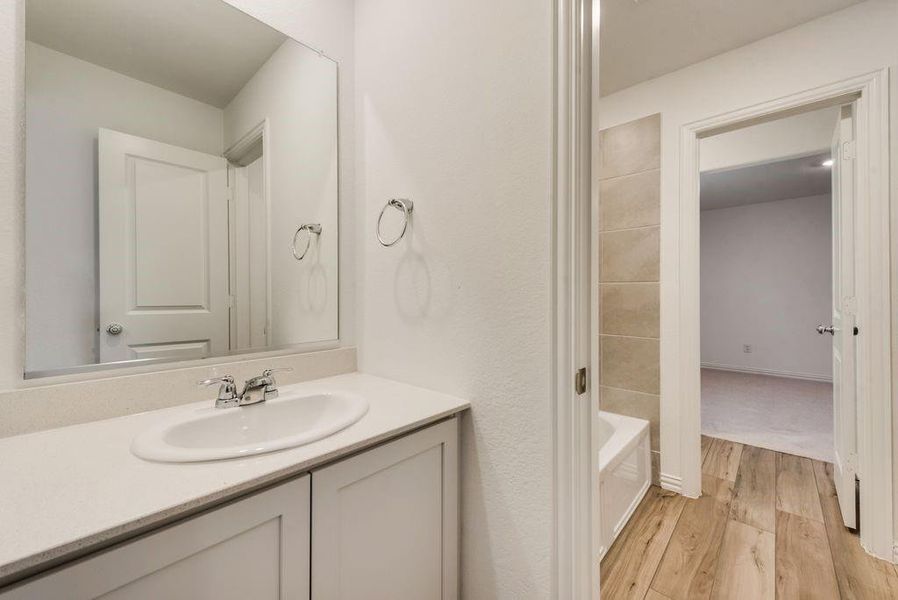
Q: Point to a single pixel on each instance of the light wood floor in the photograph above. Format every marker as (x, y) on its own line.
(767, 526)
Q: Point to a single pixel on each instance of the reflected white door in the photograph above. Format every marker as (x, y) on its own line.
(844, 317)
(163, 250)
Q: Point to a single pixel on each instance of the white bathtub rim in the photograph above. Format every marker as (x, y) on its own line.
(628, 432)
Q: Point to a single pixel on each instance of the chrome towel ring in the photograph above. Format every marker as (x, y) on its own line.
(311, 229)
(403, 204)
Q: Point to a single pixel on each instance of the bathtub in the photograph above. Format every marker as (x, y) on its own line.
(624, 471)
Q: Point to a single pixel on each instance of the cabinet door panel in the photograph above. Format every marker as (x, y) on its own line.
(254, 548)
(385, 521)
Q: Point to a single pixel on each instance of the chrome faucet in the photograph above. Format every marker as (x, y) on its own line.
(255, 390)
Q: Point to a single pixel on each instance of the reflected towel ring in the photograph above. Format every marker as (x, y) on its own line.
(406, 207)
(311, 228)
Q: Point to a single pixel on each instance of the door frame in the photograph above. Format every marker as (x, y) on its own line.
(874, 397)
(575, 565)
(237, 155)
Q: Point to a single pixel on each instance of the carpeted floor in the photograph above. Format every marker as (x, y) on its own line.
(787, 415)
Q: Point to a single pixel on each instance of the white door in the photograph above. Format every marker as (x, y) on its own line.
(844, 317)
(163, 250)
(256, 548)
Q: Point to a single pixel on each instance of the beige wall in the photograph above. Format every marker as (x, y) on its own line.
(629, 323)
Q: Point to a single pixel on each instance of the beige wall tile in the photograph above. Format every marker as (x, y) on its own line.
(630, 309)
(630, 148)
(630, 201)
(630, 363)
(631, 255)
(634, 404)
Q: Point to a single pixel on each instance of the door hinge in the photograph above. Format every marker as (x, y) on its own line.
(848, 150)
(580, 381)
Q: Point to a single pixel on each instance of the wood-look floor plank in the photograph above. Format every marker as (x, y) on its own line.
(754, 499)
(746, 564)
(667, 552)
(630, 563)
(688, 567)
(804, 564)
(859, 575)
(796, 490)
(722, 459)
(706, 444)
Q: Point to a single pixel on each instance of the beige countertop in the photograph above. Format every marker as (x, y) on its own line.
(67, 491)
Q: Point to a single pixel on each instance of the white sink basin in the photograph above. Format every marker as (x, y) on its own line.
(219, 433)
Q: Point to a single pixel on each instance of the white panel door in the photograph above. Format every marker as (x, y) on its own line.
(163, 250)
(256, 548)
(385, 522)
(844, 317)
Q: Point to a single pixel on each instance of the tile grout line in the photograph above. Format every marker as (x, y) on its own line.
(638, 337)
(634, 228)
(634, 173)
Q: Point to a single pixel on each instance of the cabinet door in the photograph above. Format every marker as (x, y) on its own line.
(255, 548)
(385, 522)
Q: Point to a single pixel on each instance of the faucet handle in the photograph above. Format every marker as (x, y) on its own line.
(268, 372)
(227, 392)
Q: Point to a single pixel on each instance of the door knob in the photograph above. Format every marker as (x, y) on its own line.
(830, 330)
(114, 328)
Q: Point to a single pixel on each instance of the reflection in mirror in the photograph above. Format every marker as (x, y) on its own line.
(174, 150)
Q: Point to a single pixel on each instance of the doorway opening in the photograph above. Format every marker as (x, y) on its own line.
(862, 410)
(767, 282)
(248, 217)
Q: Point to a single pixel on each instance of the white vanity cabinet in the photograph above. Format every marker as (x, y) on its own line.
(256, 548)
(380, 524)
(385, 522)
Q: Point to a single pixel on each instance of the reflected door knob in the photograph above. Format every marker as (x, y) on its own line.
(114, 328)
(830, 330)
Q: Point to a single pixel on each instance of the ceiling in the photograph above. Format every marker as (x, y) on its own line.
(644, 39)
(202, 49)
(780, 180)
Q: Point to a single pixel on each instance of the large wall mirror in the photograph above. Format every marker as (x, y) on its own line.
(182, 182)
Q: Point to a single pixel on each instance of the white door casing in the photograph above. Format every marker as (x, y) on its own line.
(163, 215)
(249, 255)
(844, 315)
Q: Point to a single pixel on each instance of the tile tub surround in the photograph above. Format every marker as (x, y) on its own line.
(72, 490)
(31, 409)
(629, 272)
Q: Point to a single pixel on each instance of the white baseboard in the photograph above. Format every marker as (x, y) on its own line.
(772, 372)
(671, 483)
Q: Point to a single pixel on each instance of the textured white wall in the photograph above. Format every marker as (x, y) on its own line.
(454, 104)
(766, 280)
(68, 100)
(844, 44)
(296, 90)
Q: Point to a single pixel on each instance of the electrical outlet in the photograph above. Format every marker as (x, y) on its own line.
(746, 348)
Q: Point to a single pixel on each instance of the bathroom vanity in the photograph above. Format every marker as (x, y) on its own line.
(368, 512)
